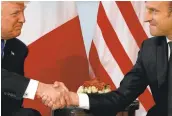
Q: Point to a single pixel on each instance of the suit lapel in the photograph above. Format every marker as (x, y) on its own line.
(12, 60)
(162, 60)
(9, 50)
(9, 56)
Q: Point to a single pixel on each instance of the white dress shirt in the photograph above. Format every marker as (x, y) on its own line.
(168, 48)
(31, 89)
(84, 99)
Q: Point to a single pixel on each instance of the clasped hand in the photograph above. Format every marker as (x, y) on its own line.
(56, 96)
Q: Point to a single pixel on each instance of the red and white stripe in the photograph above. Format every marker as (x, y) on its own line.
(119, 33)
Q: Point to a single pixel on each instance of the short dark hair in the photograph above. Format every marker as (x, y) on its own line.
(170, 3)
(170, 6)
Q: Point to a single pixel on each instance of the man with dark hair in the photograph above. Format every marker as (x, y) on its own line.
(153, 67)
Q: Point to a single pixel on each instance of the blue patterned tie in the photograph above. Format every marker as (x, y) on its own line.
(2, 47)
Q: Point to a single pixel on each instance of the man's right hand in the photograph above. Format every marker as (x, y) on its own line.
(72, 99)
(47, 93)
(56, 95)
(67, 99)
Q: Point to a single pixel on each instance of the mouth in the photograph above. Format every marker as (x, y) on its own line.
(152, 26)
(18, 28)
(152, 23)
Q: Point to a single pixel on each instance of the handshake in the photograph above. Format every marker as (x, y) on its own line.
(56, 96)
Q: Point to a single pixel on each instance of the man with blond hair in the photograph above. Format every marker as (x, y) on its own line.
(15, 86)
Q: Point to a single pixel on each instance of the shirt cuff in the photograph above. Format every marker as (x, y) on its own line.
(31, 89)
(83, 101)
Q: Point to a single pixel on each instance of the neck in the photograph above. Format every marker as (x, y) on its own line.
(5, 38)
(169, 37)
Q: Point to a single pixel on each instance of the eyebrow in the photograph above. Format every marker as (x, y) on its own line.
(17, 10)
(151, 8)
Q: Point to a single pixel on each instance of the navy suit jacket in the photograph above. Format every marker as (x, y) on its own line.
(13, 83)
(150, 69)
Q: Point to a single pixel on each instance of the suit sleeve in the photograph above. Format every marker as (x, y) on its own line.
(13, 84)
(133, 84)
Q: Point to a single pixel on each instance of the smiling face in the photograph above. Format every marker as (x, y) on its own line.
(12, 19)
(159, 16)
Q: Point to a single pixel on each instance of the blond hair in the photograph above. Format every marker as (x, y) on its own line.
(17, 2)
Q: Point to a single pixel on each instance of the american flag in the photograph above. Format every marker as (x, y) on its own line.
(119, 34)
(57, 51)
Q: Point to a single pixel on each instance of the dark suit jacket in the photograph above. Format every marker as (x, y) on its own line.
(150, 69)
(13, 83)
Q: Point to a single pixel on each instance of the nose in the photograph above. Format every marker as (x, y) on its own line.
(148, 16)
(22, 18)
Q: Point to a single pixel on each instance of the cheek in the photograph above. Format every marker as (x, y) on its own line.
(160, 22)
(165, 25)
(170, 22)
(9, 28)
(7, 25)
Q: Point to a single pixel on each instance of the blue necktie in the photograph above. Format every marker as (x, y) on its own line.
(2, 47)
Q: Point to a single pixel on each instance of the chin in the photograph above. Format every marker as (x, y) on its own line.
(154, 33)
(17, 34)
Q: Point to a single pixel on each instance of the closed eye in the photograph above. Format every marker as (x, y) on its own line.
(15, 13)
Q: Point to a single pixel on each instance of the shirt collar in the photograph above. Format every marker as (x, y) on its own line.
(5, 42)
(168, 40)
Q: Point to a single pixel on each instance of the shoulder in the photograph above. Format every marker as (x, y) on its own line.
(17, 45)
(155, 40)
